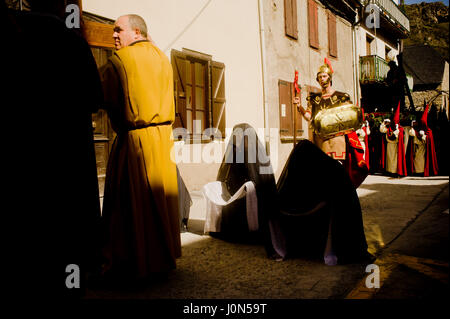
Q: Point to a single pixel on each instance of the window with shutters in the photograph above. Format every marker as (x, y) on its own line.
(369, 41)
(290, 118)
(290, 18)
(332, 36)
(199, 85)
(313, 26)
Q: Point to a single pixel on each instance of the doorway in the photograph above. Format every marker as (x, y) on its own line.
(98, 33)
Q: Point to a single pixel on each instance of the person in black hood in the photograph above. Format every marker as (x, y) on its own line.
(246, 160)
(320, 210)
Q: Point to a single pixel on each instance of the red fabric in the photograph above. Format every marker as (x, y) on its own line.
(366, 141)
(431, 165)
(297, 89)
(355, 165)
(326, 61)
(424, 119)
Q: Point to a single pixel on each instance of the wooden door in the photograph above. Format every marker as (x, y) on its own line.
(290, 119)
(99, 36)
(103, 133)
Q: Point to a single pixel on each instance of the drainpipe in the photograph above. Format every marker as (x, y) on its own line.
(355, 60)
(263, 71)
(355, 28)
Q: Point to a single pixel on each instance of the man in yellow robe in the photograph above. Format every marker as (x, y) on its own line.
(140, 209)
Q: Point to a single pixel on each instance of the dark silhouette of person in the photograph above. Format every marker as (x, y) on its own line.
(394, 83)
(319, 204)
(50, 168)
(245, 160)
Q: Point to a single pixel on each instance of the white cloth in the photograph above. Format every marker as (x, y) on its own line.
(362, 137)
(392, 155)
(217, 196)
(184, 199)
(420, 148)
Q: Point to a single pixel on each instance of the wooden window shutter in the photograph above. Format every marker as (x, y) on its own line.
(332, 37)
(289, 116)
(218, 101)
(313, 26)
(290, 18)
(179, 83)
(286, 119)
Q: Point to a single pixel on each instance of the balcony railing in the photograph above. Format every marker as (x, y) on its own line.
(391, 12)
(372, 69)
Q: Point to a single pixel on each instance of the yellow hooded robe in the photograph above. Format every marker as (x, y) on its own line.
(140, 208)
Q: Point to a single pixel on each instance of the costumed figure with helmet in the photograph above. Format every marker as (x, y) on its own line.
(333, 123)
(325, 172)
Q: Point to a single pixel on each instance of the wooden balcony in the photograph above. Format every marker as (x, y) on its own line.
(391, 13)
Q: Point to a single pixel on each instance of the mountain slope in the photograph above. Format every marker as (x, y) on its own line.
(429, 26)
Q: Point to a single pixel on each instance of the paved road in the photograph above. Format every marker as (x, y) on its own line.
(406, 223)
(415, 264)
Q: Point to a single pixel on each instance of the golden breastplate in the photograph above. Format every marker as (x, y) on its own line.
(337, 120)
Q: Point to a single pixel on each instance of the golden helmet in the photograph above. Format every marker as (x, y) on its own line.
(325, 68)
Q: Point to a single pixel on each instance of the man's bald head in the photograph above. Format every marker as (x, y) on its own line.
(137, 23)
(128, 29)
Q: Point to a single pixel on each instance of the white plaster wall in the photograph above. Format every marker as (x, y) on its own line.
(226, 29)
(377, 46)
(284, 55)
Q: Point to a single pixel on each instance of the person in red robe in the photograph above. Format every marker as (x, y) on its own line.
(422, 153)
(356, 165)
(394, 160)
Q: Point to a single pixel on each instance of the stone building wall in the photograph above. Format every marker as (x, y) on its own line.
(420, 96)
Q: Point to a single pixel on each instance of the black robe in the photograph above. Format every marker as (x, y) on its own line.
(49, 160)
(442, 144)
(246, 160)
(313, 188)
(374, 149)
